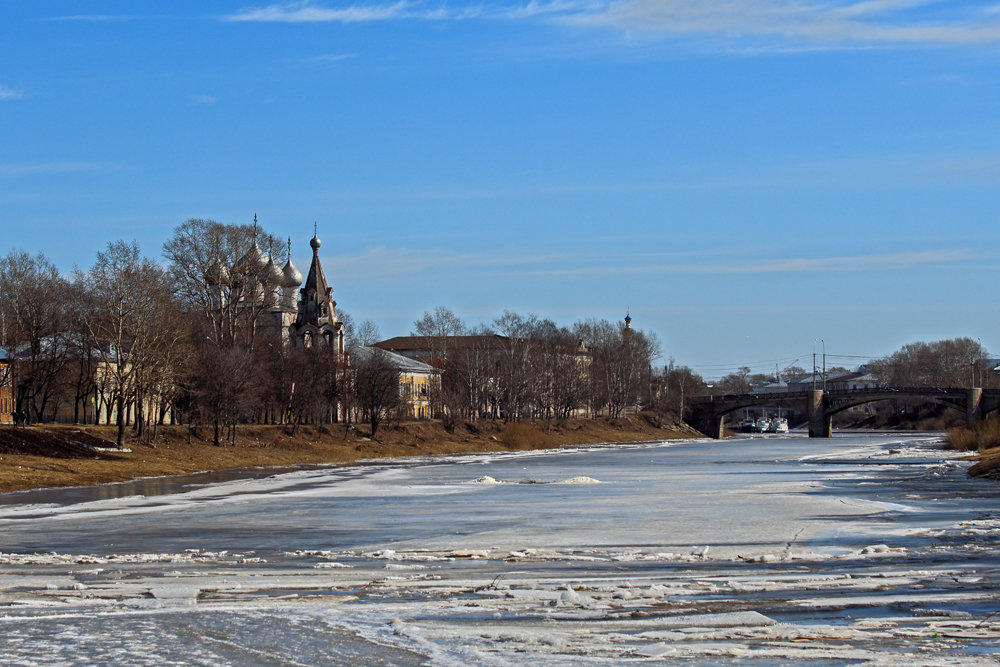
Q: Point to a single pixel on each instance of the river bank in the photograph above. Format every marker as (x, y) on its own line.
(55, 455)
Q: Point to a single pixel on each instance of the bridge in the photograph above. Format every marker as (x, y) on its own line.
(708, 412)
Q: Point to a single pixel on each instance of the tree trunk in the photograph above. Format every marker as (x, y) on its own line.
(120, 437)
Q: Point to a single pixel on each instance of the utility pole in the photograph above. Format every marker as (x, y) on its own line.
(824, 364)
(814, 365)
(979, 359)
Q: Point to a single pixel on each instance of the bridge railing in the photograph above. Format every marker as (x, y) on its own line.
(888, 391)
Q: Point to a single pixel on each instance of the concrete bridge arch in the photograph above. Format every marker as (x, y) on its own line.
(708, 412)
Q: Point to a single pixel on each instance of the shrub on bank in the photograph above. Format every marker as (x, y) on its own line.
(976, 437)
(522, 436)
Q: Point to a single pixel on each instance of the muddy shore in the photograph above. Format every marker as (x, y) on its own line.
(63, 455)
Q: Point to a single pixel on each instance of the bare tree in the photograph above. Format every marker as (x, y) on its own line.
(218, 270)
(621, 367)
(367, 333)
(513, 379)
(33, 309)
(128, 317)
(439, 324)
(439, 329)
(678, 385)
(376, 384)
(468, 383)
(737, 382)
(225, 387)
(945, 363)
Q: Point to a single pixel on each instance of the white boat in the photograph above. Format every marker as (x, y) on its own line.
(762, 425)
(778, 425)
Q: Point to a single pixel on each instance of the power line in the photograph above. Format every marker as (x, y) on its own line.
(750, 363)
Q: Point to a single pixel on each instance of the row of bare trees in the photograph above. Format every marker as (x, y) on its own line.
(523, 366)
(135, 341)
(957, 362)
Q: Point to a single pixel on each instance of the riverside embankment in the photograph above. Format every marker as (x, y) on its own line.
(62, 455)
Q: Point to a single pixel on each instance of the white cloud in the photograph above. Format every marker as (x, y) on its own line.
(747, 26)
(308, 12)
(10, 93)
(871, 22)
(205, 99)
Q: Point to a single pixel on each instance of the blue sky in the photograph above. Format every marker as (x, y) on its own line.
(746, 176)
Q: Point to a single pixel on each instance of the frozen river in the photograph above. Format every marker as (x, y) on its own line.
(759, 550)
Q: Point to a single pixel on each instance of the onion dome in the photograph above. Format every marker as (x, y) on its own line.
(292, 276)
(217, 274)
(315, 243)
(255, 260)
(271, 274)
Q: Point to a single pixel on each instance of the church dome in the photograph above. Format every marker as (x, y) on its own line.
(255, 259)
(271, 274)
(315, 243)
(292, 276)
(217, 274)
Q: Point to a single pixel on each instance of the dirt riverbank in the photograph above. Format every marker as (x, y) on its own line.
(62, 455)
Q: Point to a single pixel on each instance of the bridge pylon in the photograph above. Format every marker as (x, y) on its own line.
(974, 405)
(820, 423)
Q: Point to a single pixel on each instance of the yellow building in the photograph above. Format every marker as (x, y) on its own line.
(416, 389)
(418, 382)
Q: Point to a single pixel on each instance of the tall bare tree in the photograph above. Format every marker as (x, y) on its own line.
(34, 300)
(128, 316)
(218, 270)
(376, 384)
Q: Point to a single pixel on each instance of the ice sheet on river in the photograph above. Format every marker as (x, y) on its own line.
(751, 550)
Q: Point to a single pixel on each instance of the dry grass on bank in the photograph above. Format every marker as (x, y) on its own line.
(982, 437)
(978, 437)
(61, 455)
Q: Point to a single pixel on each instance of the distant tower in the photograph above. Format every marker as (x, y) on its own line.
(317, 317)
(627, 330)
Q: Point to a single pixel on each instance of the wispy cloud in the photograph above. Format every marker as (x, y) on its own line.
(42, 168)
(327, 59)
(382, 261)
(308, 12)
(10, 93)
(872, 22)
(884, 262)
(95, 18)
(743, 25)
(205, 99)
